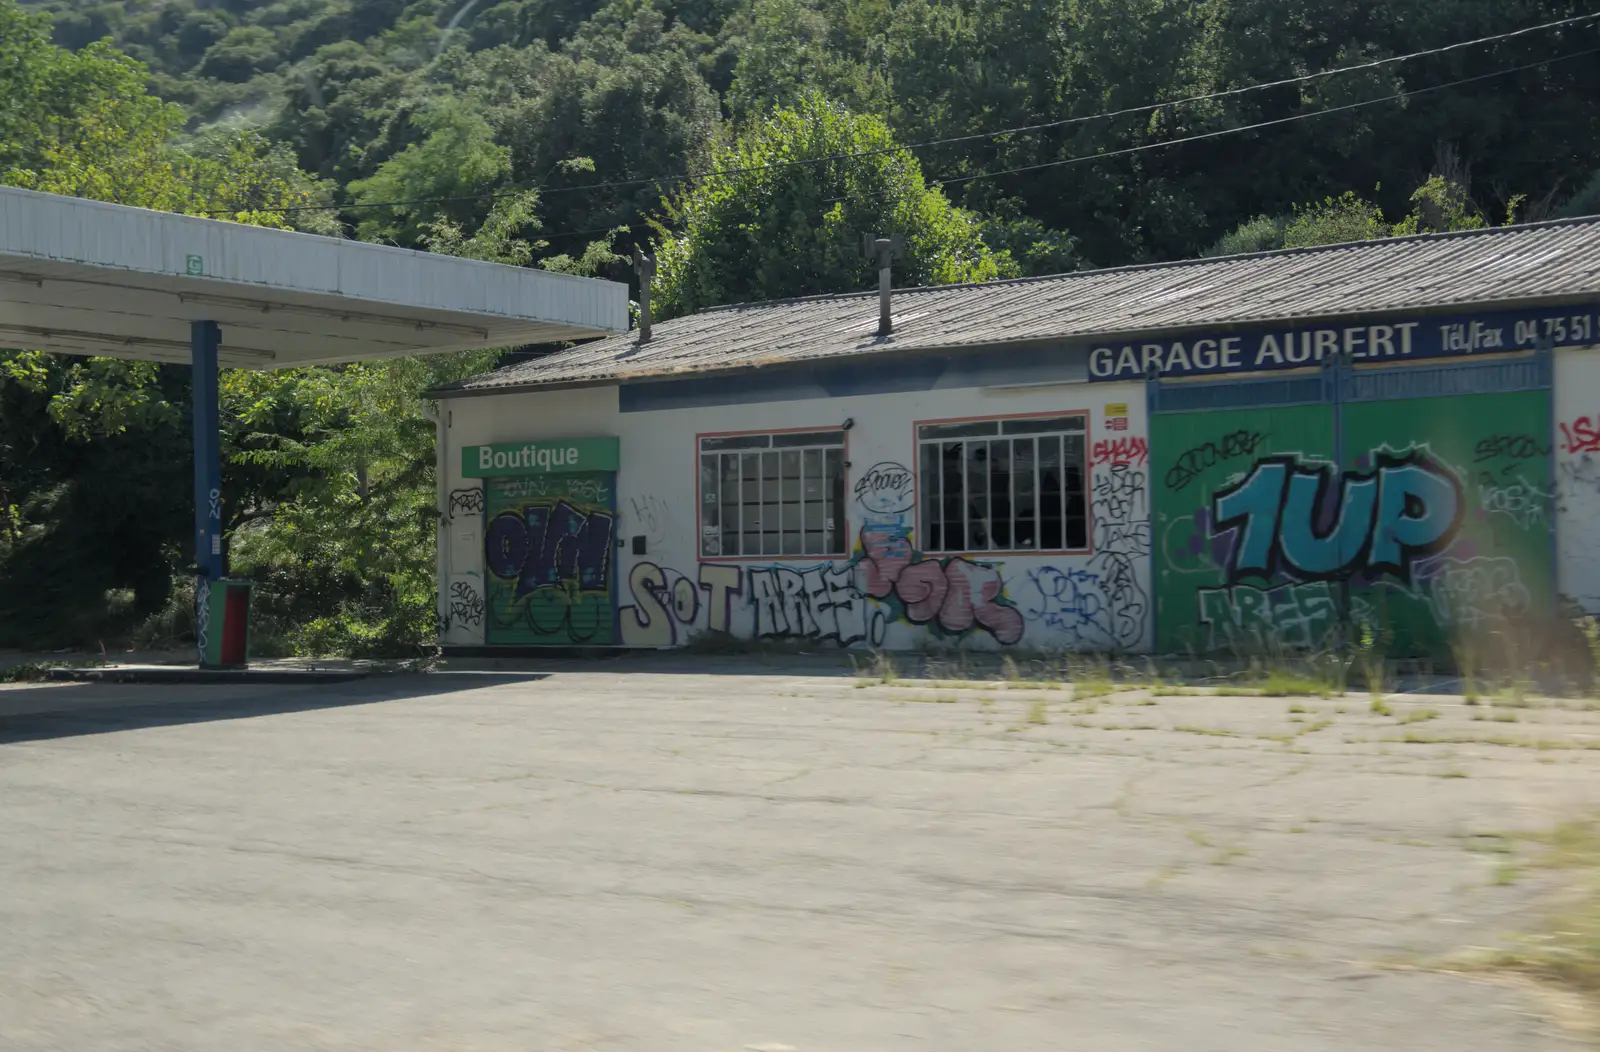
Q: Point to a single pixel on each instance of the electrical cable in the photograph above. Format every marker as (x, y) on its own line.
(1255, 127)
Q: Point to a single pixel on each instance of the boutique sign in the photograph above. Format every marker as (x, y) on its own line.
(1392, 340)
(561, 456)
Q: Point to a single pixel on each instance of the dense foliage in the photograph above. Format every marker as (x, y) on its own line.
(560, 133)
(644, 86)
(327, 473)
(776, 226)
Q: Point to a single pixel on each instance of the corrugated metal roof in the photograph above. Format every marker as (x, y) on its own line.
(1506, 266)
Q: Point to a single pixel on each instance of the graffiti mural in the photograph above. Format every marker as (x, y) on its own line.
(668, 606)
(1523, 502)
(1097, 600)
(548, 553)
(1248, 618)
(1121, 540)
(819, 602)
(1510, 449)
(886, 488)
(464, 502)
(1311, 522)
(1071, 603)
(1581, 435)
(1131, 450)
(1193, 462)
(650, 517)
(950, 595)
(593, 488)
(1435, 527)
(466, 605)
(1474, 593)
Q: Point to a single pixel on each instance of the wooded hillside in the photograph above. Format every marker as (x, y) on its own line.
(643, 87)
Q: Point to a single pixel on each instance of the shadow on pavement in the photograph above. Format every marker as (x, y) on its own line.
(38, 713)
(834, 662)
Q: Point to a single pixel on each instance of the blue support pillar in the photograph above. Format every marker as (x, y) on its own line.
(205, 337)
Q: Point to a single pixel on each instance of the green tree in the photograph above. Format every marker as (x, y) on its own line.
(84, 125)
(1035, 248)
(785, 50)
(630, 73)
(770, 227)
(958, 70)
(559, 78)
(1334, 221)
(510, 235)
(98, 447)
(345, 556)
(458, 159)
(340, 112)
(1439, 205)
(50, 97)
(70, 496)
(1261, 234)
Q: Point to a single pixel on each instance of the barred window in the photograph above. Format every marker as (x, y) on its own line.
(776, 494)
(1004, 485)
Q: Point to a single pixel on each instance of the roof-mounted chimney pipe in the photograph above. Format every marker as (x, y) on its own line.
(884, 249)
(645, 267)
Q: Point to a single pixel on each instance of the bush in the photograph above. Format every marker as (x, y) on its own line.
(1336, 221)
(404, 629)
(1261, 234)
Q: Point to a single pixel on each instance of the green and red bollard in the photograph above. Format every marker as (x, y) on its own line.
(222, 623)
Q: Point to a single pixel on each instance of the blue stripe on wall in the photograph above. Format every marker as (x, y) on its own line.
(869, 376)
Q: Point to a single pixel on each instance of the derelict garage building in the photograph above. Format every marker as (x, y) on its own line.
(1224, 454)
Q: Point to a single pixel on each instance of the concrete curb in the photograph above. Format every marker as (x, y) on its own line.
(180, 674)
(549, 653)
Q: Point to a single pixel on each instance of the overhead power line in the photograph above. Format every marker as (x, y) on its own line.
(1397, 96)
(1220, 133)
(1021, 129)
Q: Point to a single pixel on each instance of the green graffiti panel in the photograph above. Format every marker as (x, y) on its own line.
(1428, 521)
(1493, 561)
(1195, 455)
(549, 559)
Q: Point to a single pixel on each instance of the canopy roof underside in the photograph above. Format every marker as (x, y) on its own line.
(85, 277)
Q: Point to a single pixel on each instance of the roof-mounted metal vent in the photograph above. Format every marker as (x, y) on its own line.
(645, 267)
(884, 249)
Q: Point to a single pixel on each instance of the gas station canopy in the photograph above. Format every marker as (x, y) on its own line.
(85, 277)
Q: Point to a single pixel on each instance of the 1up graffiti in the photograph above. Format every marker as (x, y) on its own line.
(1383, 521)
(1300, 527)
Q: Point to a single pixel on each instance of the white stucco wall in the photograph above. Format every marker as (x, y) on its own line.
(1577, 452)
(1099, 599)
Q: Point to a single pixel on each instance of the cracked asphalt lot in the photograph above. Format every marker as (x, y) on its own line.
(722, 854)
